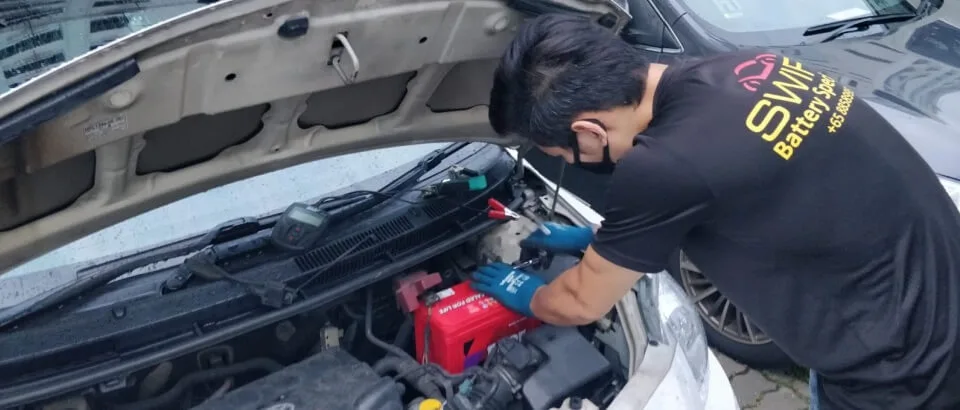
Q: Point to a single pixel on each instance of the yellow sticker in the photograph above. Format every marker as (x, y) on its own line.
(431, 404)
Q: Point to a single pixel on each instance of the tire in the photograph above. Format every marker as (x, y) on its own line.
(760, 352)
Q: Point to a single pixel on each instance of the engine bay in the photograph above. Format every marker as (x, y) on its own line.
(372, 331)
(420, 340)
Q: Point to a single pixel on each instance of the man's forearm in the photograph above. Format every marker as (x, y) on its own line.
(584, 293)
(558, 303)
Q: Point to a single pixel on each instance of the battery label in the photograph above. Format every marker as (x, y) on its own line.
(461, 303)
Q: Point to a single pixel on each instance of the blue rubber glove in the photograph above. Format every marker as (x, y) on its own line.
(562, 238)
(511, 287)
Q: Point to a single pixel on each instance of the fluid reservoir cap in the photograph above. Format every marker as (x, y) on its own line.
(431, 404)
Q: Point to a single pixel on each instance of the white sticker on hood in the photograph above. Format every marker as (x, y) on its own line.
(848, 14)
(104, 125)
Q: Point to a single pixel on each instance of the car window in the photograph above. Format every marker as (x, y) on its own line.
(744, 16)
(647, 28)
(38, 35)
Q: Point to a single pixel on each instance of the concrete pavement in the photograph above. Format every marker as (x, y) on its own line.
(765, 390)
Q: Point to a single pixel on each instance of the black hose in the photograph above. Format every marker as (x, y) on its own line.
(401, 362)
(483, 396)
(201, 376)
(350, 336)
(403, 334)
(352, 314)
(390, 364)
(410, 371)
(368, 328)
(482, 403)
(457, 378)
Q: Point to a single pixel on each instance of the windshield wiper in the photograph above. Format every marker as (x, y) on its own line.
(841, 27)
(244, 234)
(351, 204)
(229, 230)
(338, 208)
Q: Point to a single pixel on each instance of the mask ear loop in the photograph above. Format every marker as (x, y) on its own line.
(575, 147)
(606, 148)
(575, 144)
(606, 154)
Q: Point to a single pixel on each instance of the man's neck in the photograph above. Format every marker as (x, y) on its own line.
(644, 110)
(654, 75)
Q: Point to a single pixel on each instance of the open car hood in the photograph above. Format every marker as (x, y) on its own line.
(240, 88)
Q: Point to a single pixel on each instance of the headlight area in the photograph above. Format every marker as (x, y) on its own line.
(953, 189)
(674, 331)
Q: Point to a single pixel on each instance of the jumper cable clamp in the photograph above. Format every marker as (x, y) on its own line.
(500, 211)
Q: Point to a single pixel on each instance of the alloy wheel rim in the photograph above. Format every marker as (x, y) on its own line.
(715, 309)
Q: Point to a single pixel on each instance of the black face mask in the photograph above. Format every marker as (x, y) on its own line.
(605, 167)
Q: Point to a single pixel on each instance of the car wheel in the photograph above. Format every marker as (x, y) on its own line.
(727, 328)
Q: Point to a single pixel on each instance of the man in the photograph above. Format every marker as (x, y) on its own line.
(808, 210)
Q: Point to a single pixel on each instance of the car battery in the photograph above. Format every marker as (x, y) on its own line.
(457, 331)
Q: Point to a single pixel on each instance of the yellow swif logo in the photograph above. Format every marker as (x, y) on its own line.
(793, 105)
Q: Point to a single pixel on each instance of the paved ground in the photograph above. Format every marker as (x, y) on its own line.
(765, 390)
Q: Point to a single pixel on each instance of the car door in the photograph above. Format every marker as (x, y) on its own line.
(651, 30)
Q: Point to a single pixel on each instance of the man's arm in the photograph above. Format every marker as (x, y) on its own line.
(655, 199)
(584, 293)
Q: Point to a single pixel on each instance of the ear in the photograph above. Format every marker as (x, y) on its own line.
(589, 129)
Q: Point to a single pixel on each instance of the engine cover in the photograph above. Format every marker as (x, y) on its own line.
(548, 365)
(330, 380)
(573, 367)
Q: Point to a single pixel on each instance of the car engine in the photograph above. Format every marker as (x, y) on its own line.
(533, 372)
(421, 339)
(469, 353)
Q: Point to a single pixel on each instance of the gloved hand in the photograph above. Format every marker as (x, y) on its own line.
(511, 287)
(562, 238)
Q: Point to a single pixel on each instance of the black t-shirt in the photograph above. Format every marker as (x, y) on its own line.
(811, 213)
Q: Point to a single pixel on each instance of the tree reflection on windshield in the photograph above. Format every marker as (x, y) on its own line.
(38, 35)
(750, 16)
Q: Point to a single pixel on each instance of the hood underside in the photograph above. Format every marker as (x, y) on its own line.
(237, 89)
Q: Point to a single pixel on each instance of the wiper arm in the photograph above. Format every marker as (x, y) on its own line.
(398, 186)
(841, 27)
(224, 232)
(337, 208)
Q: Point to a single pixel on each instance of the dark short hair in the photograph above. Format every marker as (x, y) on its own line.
(558, 67)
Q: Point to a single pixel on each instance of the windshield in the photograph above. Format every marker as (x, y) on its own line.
(759, 17)
(39, 35)
(194, 215)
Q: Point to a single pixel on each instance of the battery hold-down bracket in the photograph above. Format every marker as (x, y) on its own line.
(409, 288)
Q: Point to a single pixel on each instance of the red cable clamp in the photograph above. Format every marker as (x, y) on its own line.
(500, 211)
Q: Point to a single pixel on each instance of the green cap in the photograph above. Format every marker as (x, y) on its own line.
(477, 183)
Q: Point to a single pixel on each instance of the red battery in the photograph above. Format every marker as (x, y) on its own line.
(463, 325)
